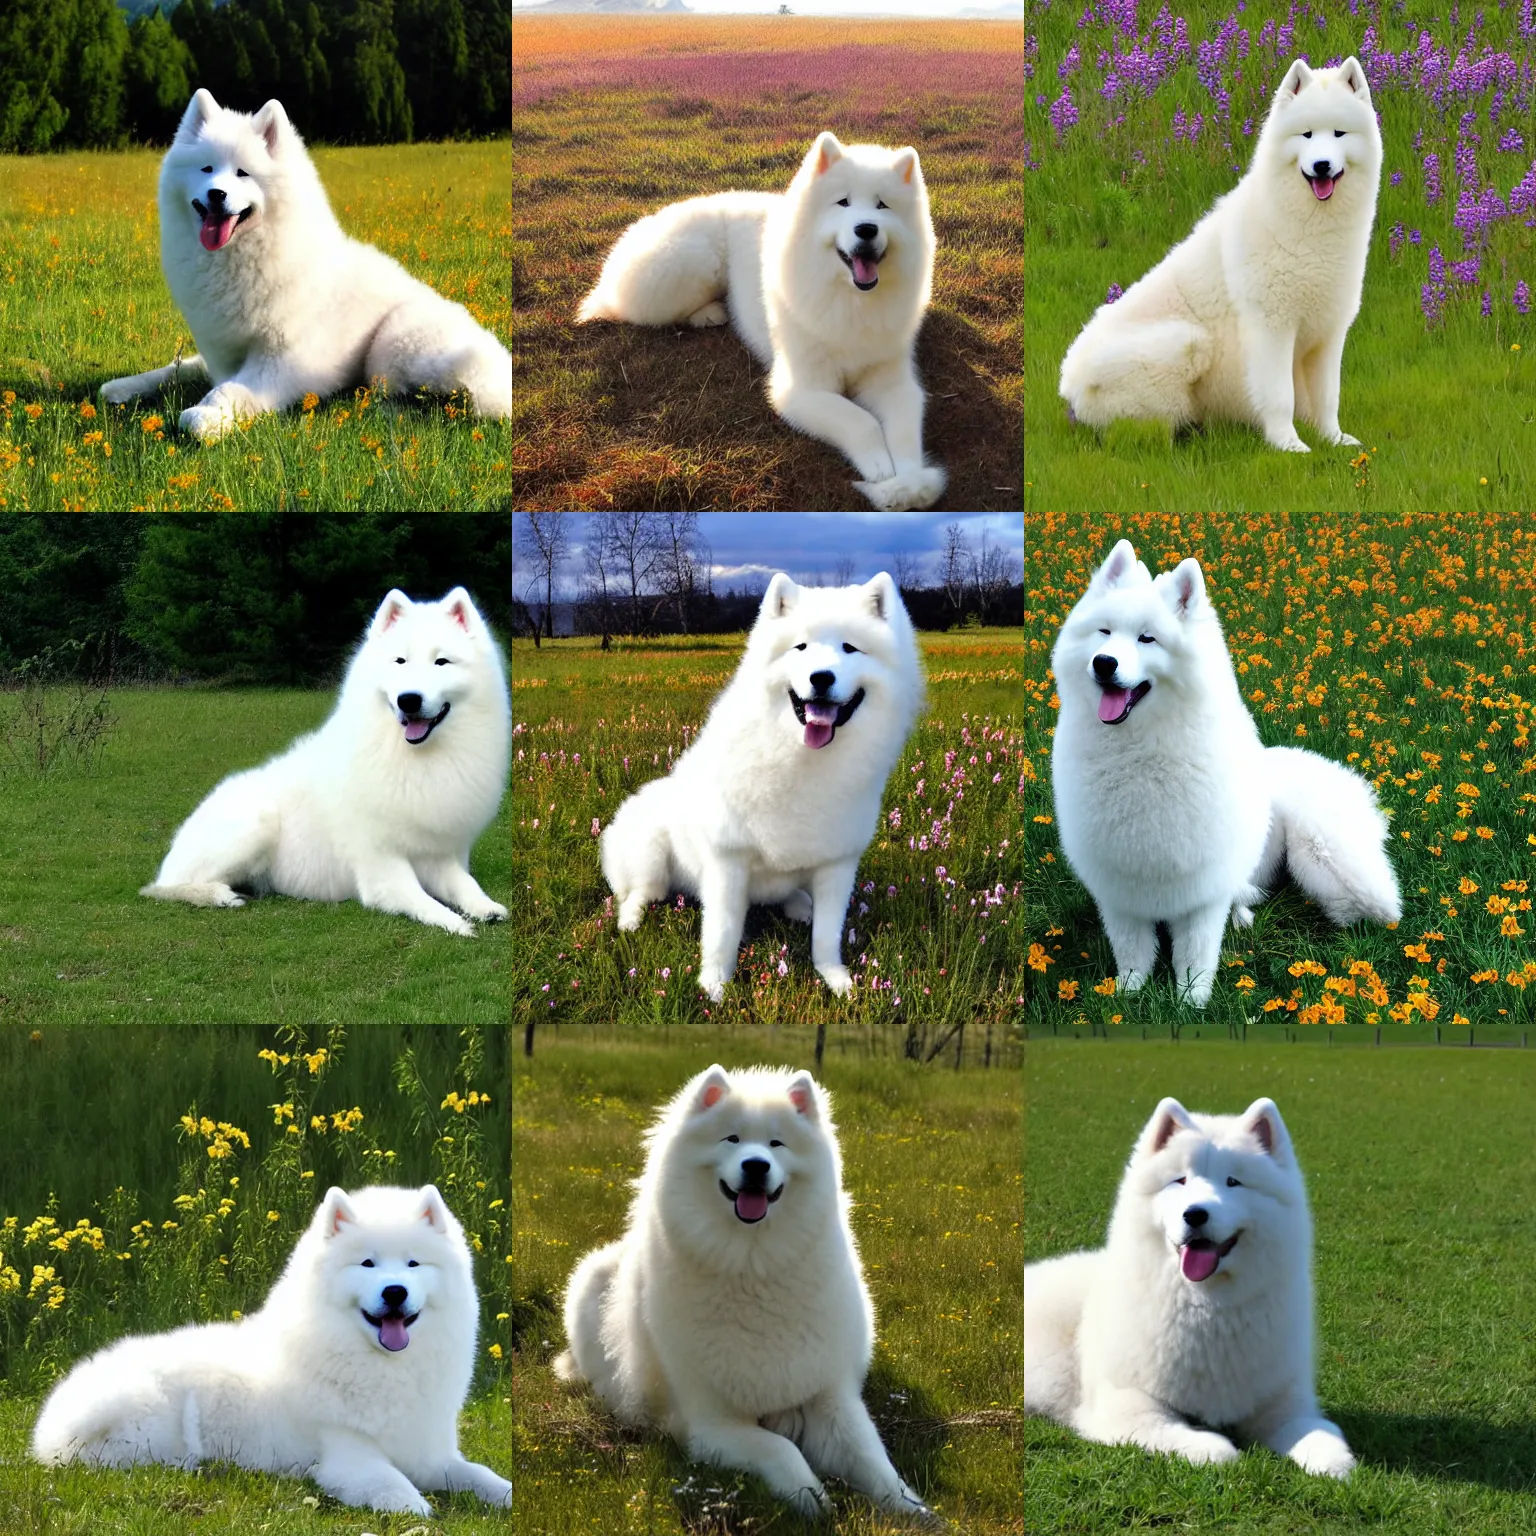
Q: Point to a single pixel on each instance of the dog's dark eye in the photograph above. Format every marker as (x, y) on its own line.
(399, 661)
(842, 202)
(1146, 639)
(1234, 1183)
(801, 646)
(734, 1140)
(879, 204)
(413, 1264)
(1307, 134)
(1103, 631)
(775, 1143)
(851, 650)
(1179, 1180)
(367, 1264)
(442, 661)
(242, 173)
(207, 170)
(1338, 133)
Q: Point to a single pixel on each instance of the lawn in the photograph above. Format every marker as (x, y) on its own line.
(615, 116)
(1419, 1166)
(932, 1162)
(82, 300)
(77, 941)
(1401, 645)
(149, 1222)
(936, 911)
(1132, 135)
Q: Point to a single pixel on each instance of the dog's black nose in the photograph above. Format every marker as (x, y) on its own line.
(1323, 168)
(394, 1295)
(216, 197)
(866, 231)
(409, 702)
(754, 1173)
(822, 681)
(1196, 1216)
(1105, 667)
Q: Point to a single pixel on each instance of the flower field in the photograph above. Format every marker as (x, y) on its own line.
(1401, 645)
(1136, 120)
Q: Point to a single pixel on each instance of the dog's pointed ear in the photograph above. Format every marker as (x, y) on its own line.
(199, 110)
(461, 610)
(1297, 78)
(805, 1096)
(389, 611)
(1168, 1119)
(906, 165)
(1352, 75)
(1262, 1121)
(824, 153)
(336, 1212)
(709, 1088)
(1187, 584)
(271, 122)
(433, 1209)
(781, 596)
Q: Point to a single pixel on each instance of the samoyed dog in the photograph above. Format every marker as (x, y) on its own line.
(1246, 319)
(1198, 1308)
(383, 803)
(279, 301)
(732, 1314)
(780, 792)
(826, 283)
(1169, 807)
(353, 1372)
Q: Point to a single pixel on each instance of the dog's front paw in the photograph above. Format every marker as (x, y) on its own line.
(118, 391)
(906, 490)
(837, 978)
(207, 423)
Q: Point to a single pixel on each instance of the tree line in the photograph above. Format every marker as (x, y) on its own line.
(646, 573)
(266, 598)
(95, 74)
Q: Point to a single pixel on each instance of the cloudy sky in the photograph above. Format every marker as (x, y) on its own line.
(748, 547)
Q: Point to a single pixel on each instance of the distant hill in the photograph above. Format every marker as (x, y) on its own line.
(606, 7)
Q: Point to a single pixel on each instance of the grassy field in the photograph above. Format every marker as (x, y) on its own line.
(1424, 1265)
(1401, 645)
(1444, 407)
(82, 301)
(77, 941)
(936, 909)
(613, 117)
(931, 1160)
(148, 1224)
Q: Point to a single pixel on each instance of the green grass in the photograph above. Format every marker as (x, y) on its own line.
(82, 300)
(77, 941)
(1398, 645)
(931, 1160)
(1447, 417)
(1418, 1167)
(611, 416)
(181, 1235)
(579, 712)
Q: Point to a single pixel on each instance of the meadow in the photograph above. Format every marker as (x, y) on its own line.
(935, 927)
(931, 1160)
(1401, 645)
(182, 1206)
(82, 300)
(78, 943)
(1134, 125)
(615, 116)
(1423, 1265)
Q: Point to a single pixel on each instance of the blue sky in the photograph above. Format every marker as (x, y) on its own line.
(748, 547)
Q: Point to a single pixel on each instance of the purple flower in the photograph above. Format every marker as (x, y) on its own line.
(1512, 142)
(1466, 271)
(1521, 298)
(1487, 303)
(1395, 238)
(1063, 113)
(1395, 179)
(1431, 178)
(1436, 266)
(1432, 304)
(1115, 292)
(1070, 63)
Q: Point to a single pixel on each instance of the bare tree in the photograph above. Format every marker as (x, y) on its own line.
(631, 544)
(543, 542)
(682, 564)
(842, 571)
(955, 565)
(906, 571)
(996, 573)
(597, 583)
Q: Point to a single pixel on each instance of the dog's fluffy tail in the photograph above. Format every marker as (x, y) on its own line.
(1138, 370)
(1328, 830)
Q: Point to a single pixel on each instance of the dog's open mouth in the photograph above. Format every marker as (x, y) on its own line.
(1115, 704)
(1322, 186)
(862, 264)
(219, 228)
(751, 1204)
(821, 717)
(392, 1328)
(1199, 1257)
(419, 727)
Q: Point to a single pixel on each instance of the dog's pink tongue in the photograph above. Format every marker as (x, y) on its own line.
(864, 270)
(820, 721)
(1113, 703)
(216, 231)
(416, 730)
(752, 1204)
(1322, 188)
(1198, 1263)
(393, 1334)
